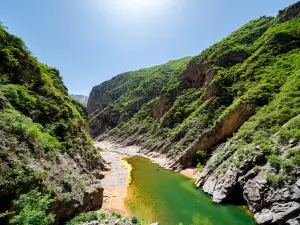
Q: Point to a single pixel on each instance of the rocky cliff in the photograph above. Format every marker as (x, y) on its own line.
(49, 168)
(233, 110)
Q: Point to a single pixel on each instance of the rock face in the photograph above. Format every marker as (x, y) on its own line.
(104, 120)
(196, 75)
(161, 106)
(289, 13)
(224, 129)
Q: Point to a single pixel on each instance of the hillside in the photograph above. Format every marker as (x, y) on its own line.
(81, 98)
(115, 101)
(49, 169)
(233, 111)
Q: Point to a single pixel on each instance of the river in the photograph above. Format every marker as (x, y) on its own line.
(155, 194)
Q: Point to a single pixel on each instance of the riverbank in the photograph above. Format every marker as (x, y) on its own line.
(116, 179)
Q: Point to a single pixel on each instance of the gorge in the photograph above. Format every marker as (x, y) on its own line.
(230, 113)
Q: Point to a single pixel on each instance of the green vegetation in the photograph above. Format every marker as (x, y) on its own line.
(103, 217)
(32, 208)
(41, 128)
(254, 71)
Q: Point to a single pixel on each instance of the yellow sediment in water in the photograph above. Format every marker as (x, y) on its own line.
(129, 169)
(246, 210)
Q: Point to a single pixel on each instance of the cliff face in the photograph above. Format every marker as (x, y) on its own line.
(48, 165)
(238, 101)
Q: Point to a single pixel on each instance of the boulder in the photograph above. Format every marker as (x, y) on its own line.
(277, 213)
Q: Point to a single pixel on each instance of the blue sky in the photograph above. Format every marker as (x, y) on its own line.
(90, 41)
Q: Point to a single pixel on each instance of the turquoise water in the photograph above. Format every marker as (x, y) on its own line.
(158, 195)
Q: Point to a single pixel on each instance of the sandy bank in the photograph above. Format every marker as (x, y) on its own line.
(190, 173)
(116, 180)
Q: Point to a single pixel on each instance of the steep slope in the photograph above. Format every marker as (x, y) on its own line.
(117, 100)
(234, 108)
(48, 165)
(81, 98)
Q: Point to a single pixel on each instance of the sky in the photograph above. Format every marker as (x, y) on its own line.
(91, 41)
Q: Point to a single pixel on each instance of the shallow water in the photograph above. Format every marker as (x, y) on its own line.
(159, 195)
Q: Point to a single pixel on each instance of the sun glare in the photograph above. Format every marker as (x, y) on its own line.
(136, 9)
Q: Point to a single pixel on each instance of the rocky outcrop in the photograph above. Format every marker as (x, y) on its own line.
(162, 106)
(98, 99)
(289, 13)
(81, 190)
(196, 75)
(217, 134)
(108, 118)
(271, 205)
(233, 58)
(211, 91)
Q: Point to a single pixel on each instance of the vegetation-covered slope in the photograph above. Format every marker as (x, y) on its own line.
(234, 108)
(46, 155)
(114, 102)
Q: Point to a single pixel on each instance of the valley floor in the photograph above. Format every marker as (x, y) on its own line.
(116, 179)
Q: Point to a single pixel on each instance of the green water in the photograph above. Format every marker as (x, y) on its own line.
(158, 195)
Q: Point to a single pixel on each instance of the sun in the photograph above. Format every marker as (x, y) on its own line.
(139, 5)
(136, 10)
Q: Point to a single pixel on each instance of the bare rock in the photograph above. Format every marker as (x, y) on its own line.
(210, 184)
(254, 191)
(225, 186)
(98, 175)
(294, 221)
(289, 13)
(162, 105)
(277, 213)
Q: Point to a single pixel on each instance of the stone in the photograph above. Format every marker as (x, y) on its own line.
(277, 213)
(225, 186)
(209, 185)
(253, 191)
(294, 221)
(298, 183)
(98, 175)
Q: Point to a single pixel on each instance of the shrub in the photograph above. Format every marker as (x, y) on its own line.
(116, 214)
(275, 161)
(200, 167)
(134, 220)
(257, 169)
(33, 209)
(200, 156)
(85, 217)
(276, 180)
